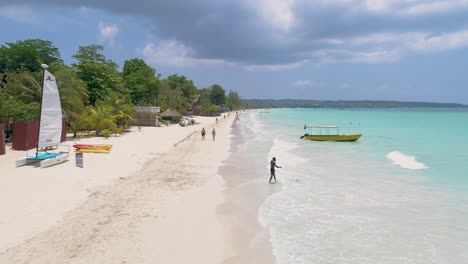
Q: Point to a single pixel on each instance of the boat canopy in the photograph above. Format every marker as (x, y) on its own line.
(311, 126)
(322, 130)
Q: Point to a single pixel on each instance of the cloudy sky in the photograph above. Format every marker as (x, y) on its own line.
(410, 50)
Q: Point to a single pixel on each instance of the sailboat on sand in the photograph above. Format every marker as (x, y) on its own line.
(50, 126)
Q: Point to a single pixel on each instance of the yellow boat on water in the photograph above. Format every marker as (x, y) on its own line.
(328, 133)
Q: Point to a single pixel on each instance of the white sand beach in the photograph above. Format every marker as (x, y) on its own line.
(153, 199)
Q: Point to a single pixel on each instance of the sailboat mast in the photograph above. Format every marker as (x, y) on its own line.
(44, 67)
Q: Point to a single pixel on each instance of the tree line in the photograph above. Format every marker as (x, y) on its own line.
(94, 93)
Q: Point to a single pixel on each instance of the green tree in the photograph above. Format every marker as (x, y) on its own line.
(23, 86)
(207, 106)
(97, 72)
(217, 95)
(19, 110)
(100, 117)
(28, 54)
(122, 109)
(233, 100)
(136, 65)
(172, 98)
(210, 110)
(24, 89)
(181, 82)
(177, 93)
(140, 80)
(205, 96)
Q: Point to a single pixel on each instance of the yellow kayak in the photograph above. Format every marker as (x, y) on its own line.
(90, 146)
(89, 150)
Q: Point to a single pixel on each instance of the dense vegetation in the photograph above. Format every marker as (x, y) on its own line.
(294, 103)
(95, 95)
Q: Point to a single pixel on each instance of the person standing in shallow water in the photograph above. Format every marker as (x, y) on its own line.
(272, 169)
(203, 133)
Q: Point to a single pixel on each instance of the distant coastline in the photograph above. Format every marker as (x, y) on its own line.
(295, 103)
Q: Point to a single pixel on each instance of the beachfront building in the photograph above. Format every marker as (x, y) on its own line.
(147, 115)
(171, 115)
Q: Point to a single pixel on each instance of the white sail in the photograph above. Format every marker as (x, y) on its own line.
(50, 131)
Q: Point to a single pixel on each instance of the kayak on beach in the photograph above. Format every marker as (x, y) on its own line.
(93, 146)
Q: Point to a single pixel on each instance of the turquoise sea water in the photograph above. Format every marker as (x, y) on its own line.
(398, 195)
(436, 137)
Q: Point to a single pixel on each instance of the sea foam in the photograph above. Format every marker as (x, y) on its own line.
(405, 161)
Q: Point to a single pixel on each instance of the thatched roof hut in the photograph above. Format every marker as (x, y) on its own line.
(170, 113)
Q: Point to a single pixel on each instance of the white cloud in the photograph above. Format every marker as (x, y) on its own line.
(419, 41)
(385, 38)
(441, 42)
(428, 7)
(29, 15)
(277, 13)
(275, 67)
(377, 5)
(108, 33)
(397, 7)
(280, 31)
(375, 56)
(21, 14)
(407, 7)
(302, 83)
(388, 47)
(356, 56)
(170, 52)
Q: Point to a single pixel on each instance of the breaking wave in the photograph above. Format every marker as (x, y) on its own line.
(405, 161)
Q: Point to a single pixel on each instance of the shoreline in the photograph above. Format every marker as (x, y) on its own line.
(243, 197)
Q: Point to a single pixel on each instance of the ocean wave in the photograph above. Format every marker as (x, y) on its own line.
(257, 126)
(405, 161)
(283, 150)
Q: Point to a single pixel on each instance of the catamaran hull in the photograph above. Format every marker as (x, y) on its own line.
(43, 163)
(54, 161)
(337, 138)
(25, 161)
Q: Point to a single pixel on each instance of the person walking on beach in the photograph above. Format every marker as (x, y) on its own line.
(216, 120)
(272, 169)
(203, 133)
(213, 133)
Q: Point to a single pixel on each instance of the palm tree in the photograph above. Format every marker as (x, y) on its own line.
(73, 95)
(123, 110)
(23, 86)
(100, 117)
